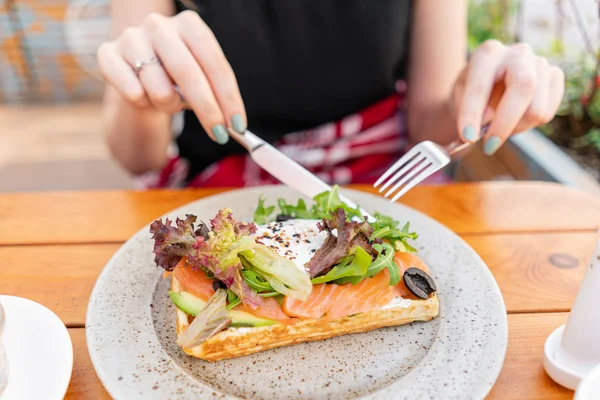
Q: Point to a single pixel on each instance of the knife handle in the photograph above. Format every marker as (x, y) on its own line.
(247, 139)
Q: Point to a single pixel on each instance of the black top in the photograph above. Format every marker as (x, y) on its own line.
(301, 63)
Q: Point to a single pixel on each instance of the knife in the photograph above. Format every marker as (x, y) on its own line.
(285, 169)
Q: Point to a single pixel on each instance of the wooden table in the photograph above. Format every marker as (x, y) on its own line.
(54, 245)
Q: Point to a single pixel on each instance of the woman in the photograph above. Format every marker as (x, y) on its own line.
(323, 80)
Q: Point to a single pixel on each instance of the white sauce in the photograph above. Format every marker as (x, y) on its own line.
(296, 240)
(398, 302)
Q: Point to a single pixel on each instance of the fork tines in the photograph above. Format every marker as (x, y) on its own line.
(409, 170)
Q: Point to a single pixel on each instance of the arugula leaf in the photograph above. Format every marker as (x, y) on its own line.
(346, 268)
(386, 255)
(269, 294)
(327, 202)
(254, 280)
(298, 211)
(232, 299)
(385, 227)
(262, 213)
(394, 271)
(384, 260)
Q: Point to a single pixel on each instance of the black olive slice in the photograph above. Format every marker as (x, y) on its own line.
(419, 282)
(283, 217)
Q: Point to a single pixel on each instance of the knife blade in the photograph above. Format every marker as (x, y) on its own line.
(285, 169)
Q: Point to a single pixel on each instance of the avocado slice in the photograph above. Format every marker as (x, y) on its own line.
(240, 319)
(186, 302)
(192, 305)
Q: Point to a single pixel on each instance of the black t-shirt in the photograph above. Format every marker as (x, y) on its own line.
(301, 63)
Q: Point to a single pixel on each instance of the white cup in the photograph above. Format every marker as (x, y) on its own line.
(3, 359)
(589, 388)
(573, 350)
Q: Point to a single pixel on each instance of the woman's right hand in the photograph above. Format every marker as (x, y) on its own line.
(190, 57)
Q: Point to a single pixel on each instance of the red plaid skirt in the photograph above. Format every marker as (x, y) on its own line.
(356, 149)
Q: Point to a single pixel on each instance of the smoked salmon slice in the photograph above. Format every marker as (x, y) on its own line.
(336, 301)
(329, 300)
(196, 282)
(193, 281)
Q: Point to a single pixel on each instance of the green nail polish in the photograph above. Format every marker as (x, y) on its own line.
(492, 145)
(220, 134)
(469, 133)
(238, 123)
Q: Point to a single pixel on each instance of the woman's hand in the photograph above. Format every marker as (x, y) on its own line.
(507, 86)
(180, 50)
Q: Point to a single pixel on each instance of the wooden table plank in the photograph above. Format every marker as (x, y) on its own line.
(61, 277)
(522, 377)
(537, 272)
(84, 384)
(493, 207)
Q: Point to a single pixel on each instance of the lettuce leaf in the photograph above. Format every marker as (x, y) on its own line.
(220, 254)
(281, 273)
(350, 234)
(355, 265)
(172, 242)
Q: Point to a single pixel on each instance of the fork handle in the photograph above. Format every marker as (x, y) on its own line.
(459, 145)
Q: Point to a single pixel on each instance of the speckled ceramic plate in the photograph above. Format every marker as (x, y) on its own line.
(131, 329)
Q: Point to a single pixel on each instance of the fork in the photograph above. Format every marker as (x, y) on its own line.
(417, 164)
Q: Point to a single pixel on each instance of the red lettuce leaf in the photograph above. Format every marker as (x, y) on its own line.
(219, 254)
(173, 242)
(335, 248)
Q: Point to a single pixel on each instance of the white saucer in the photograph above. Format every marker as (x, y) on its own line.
(39, 351)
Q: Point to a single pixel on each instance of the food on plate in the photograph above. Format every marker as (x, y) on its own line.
(304, 274)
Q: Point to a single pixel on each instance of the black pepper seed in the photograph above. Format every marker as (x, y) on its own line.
(419, 282)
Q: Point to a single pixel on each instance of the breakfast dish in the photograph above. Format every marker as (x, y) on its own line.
(131, 324)
(302, 275)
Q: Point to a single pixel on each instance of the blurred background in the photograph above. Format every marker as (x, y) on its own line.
(50, 125)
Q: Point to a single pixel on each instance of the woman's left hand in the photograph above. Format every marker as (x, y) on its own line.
(507, 86)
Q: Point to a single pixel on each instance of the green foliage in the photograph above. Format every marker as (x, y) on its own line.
(577, 121)
(490, 19)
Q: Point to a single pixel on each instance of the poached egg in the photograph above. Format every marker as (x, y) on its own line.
(295, 239)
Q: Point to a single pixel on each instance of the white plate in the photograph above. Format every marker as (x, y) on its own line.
(131, 335)
(39, 351)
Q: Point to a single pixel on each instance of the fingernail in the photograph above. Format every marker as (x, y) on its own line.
(469, 133)
(492, 145)
(220, 134)
(238, 123)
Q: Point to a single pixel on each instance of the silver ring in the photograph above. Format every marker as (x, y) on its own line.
(139, 64)
(184, 103)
